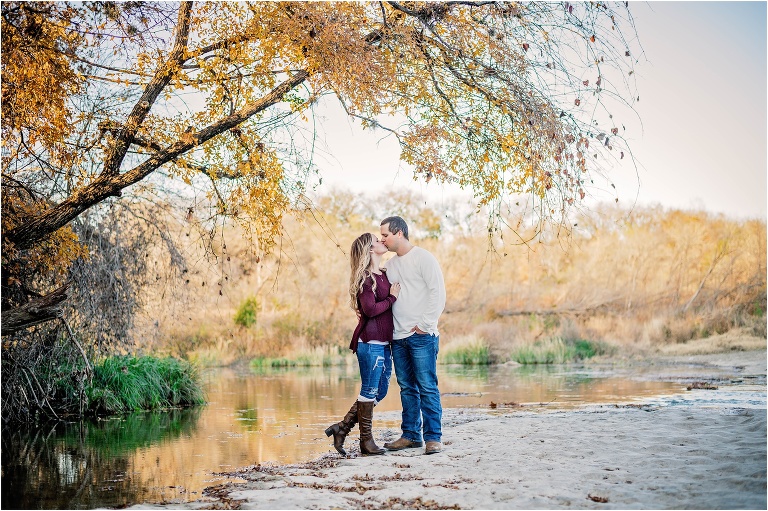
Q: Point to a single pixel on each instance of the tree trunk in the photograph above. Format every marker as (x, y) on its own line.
(36, 311)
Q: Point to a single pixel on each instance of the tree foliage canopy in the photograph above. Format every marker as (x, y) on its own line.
(115, 113)
(214, 98)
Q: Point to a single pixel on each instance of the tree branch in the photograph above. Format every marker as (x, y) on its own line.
(89, 369)
(117, 152)
(106, 185)
(34, 312)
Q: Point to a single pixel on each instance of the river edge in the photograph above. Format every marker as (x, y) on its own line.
(622, 456)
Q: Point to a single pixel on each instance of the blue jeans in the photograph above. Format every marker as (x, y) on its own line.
(415, 360)
(375, 361)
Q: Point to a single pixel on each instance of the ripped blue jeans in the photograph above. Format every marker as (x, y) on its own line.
(375, 361)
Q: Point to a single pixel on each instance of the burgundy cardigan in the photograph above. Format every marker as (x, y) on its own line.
(376, 322)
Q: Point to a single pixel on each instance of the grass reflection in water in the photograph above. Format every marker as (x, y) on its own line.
(81, 465)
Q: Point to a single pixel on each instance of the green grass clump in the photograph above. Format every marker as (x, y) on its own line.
(267, 362)
(127, 383)
(314, 358)
(246, 313)
(472, 354)
(558, 351)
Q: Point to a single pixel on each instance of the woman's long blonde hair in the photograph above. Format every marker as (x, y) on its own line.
(360, 262)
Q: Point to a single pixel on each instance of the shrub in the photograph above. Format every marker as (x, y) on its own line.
(758, 308)
(246, 313)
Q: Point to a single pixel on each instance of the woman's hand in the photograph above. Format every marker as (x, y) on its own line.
(394, 289)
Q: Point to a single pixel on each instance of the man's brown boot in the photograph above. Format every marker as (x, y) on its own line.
(365, 417)
(402, 443)
(340, 430)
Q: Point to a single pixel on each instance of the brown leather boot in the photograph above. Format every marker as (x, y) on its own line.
(340, 430)
(365, 417)
(402, 443)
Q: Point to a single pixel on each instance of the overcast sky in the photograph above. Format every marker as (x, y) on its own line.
(702, 143)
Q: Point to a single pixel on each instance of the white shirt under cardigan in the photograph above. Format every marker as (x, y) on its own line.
(422, 292)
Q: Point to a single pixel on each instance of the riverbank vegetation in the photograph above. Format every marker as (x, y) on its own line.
(113, 385)
(470, 350)
(555, 350)
(128, 383)
(319, 357)
(624, 282)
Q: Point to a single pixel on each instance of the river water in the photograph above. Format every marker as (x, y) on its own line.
(275, 416)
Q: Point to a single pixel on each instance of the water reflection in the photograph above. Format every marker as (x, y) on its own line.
(272, 416)
(564, 386)
(85, 464)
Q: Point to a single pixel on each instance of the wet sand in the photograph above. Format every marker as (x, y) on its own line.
(650, 456)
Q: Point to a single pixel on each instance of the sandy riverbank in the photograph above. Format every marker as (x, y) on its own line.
(699, 456)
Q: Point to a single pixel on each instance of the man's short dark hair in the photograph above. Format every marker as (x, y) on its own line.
(396, 224)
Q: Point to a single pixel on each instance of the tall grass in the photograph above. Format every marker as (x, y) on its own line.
(127, 383)
(274, 363)
(558, 351)
(318, 357)
(472, 354)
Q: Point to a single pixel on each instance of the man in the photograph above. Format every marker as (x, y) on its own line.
(416, 340)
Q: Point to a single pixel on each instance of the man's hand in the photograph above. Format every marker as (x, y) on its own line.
(417, 330)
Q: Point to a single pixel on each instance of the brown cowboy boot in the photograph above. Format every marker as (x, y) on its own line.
(340, 430)
(365, 417)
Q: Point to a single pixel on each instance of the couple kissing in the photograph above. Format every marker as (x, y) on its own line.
(398, 307)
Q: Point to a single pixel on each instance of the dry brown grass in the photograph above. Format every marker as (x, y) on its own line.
(654, 279)
(739, 339)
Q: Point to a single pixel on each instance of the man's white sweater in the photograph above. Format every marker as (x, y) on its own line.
(422, 293)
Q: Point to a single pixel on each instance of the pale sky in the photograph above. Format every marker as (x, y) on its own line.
(702, 141)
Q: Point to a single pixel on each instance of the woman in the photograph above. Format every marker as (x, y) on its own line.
(371, 296)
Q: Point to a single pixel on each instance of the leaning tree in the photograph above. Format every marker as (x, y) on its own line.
(111, 103)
